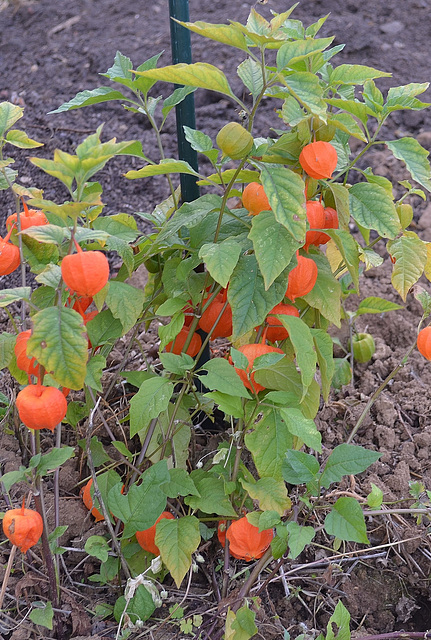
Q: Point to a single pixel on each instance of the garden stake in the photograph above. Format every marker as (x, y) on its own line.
(185, 114)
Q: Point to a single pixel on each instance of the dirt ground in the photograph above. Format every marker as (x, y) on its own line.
(50, 51)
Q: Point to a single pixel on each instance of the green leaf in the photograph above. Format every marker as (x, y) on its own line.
(356, 108)
(376, 305)
(104, 328)
(346, 521)
(285, 192)
(415, 157)
(98, 547)
(151, 399)
(230, 405)
(52, 460)
(347, 123)
(241, 625)
(177, 364)
(165, 167)
(42, 614)
(409, 254)
(177, 540)
(307, 89)
(93, 96)
(268, 443)
(273, 245)
(291, 52)
(299, 538)
(51, 277)
(199, 74)
(48, 233)
(326, 293)
(404, 97)
(224, 33)
(375, 497)
(249, 299)
(299, 467)
(175, 98)
(303, 346)
(144, 503)
(20, 139)
(250, 72)
(7, 296)
(9, 114)
(270, 493)
(221, 259)
(223, 377)
(97, 452)
(340, 618)
(59, 343)
(348, 248)
(373, 208)
(95, 370)
(121, 225)
(7, 345)
(324, 352)
(190, 214)
(347, 459)
(140, 607)
(355, 74)
(180, 484)
(125, 303)
(302, 427)
(212, 498)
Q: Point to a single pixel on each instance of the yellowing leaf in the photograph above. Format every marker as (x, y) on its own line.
(177, 540)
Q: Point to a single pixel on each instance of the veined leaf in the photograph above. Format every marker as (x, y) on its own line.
(355, 74)
(177, 540)
(270, 493)
(249, 299)
(9, 114)
(376, 305)
(165, 167)
(92, 96)
(273, 244)
(59, 343)
(285, 192)
(198, 74)
(306, 88)
(224, 33)
(373, 208)
(346, 521)
(268, 443)
(409, 255)
(221, 259)
(415, 158)
(151, 399)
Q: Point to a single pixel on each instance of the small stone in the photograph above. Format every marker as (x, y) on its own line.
(391, 28)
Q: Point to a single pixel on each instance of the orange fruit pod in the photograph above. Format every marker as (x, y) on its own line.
(146, 538)
(10, 258)
(275, 329)
(81, 303)
(24, 362)
(245, 540)
(318, 159)
(85, 494)
(254, 199)
(176, 346)
(23, 527)
(28, 218)
(251, 352)
(302, 278)
(85, 272)
(316, 220)
(223, 328)
(331, 222)
(424, 342)
(41, 407)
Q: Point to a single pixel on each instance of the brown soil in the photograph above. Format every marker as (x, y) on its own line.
(50, 51)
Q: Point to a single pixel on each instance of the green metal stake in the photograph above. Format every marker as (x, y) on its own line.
(185, 112)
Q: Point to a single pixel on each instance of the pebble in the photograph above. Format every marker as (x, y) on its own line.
(391, 28)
